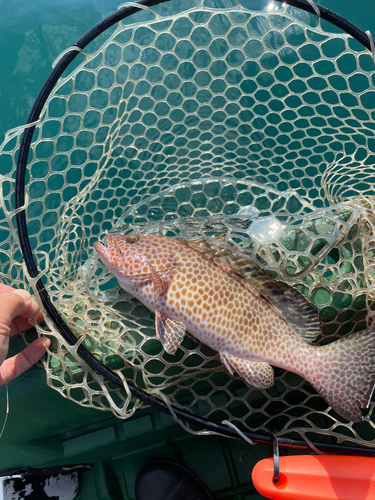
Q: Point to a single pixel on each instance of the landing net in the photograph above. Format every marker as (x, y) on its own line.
(253, 124)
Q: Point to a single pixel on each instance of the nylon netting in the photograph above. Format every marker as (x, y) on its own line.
(255, 125)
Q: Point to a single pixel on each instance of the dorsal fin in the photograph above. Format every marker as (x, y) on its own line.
(197, 246)
(286, 300)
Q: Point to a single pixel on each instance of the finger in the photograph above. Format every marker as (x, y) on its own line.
(6, 288)
(22, 323)
(18, 364)
(16, 307)
(32, 309)
(19, 325)
(12, 305)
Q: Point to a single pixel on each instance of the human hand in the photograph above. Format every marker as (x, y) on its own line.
(16, 307)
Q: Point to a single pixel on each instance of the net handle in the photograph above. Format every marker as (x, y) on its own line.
(61, 65)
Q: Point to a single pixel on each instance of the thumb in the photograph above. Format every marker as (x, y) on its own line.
(15, 366)
(16, 307)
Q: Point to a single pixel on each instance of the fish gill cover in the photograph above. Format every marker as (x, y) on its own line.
(217, 119)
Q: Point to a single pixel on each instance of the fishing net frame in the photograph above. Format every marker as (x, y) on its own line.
(20, 200)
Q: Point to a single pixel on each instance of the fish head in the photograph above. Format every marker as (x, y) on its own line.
(121, 254)
(134, 258)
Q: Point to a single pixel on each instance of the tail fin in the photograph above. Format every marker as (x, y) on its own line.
(346, 374)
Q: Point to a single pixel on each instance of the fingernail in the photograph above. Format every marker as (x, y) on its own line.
(34, 302)
(24, 294)
(46, 341)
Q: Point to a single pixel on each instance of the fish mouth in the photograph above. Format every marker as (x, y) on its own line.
(100, 248)
(99, 244)
(104, 243)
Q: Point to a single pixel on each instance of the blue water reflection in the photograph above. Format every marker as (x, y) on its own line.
(34, 32)
(32, 35)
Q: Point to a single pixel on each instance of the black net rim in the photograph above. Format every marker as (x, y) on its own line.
(27, 253)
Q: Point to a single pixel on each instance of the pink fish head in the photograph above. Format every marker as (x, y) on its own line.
(134, 257)
(122, 255)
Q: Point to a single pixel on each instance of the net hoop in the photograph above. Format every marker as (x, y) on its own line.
(63, 62)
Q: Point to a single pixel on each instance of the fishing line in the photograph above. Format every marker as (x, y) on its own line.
(7, 410)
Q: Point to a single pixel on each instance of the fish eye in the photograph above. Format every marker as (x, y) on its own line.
(132, 239)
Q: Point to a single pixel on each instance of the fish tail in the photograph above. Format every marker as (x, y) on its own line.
(345, 376)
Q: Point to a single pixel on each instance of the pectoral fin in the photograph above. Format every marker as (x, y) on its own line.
(160, 279)
(135, 280)
(169, 332)
(257, 374)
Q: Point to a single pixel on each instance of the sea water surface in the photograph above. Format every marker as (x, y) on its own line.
(34, 32)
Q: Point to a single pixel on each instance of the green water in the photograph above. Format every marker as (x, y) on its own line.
(33, 33)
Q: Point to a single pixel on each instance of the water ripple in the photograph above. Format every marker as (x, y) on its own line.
(7, 12)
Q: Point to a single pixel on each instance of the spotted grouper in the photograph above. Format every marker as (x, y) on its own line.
(189, 288)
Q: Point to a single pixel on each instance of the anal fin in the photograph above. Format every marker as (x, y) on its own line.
(170, 332)
(257, 374)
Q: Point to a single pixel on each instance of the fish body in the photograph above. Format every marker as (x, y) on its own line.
(190, 289)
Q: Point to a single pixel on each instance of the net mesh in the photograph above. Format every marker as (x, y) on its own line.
(254, 125)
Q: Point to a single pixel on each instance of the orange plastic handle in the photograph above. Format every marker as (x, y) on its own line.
(321, 477)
